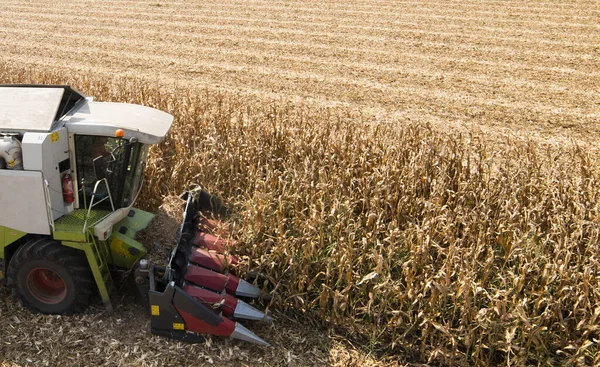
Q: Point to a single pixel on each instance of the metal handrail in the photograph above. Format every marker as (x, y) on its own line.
(92, 204)
(49, 205)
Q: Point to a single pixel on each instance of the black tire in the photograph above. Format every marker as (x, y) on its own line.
(51, 278)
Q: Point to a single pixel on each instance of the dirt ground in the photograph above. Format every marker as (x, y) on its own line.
(124, 339)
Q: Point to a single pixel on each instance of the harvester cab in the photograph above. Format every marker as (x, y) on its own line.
(71, 170)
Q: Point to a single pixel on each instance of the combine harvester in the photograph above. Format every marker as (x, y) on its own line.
(70, 172)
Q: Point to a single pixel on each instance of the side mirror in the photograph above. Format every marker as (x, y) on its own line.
(98, 168)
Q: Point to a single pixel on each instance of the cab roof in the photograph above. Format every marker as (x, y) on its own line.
(147, 124)
(42, 108)
(27, 107)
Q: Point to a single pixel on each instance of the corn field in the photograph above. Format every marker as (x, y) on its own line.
(418, 178)
(438, 247)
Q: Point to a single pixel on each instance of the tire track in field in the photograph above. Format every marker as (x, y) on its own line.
(408, 40)
(585, 133)
(307, 23)
(466, 49)
(297, 83)
(408, 28)
(520, 5)
(428, 58)
(409, 53)
(327, 66)
(378, 11)
(435, 10)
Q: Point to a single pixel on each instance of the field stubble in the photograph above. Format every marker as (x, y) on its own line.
(529, 67)
(450, 242)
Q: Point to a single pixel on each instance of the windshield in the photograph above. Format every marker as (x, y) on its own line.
(120, 161)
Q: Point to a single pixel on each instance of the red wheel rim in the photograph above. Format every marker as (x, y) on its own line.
(46, 285)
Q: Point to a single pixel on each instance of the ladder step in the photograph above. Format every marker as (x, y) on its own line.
(98, 258)
(97, 255)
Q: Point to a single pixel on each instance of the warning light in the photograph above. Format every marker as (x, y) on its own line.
(119, 133)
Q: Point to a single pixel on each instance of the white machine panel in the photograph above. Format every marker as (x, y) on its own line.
(147, 124)
(28, 109)
(23, 202)
(44, 152)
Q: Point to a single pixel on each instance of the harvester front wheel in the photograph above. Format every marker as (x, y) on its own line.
(51, 278)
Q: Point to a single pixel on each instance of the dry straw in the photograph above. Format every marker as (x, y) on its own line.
(447, 249)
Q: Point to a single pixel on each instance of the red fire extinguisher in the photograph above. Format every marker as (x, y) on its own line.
(67, 188)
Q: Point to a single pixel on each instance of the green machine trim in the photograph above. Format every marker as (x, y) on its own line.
(124, 249)
(7, 237)
(99, 267)
(121, 249)
(135, 221)
(70, 227)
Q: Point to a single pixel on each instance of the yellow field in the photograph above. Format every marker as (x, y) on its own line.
(403, 172)
(529, 65)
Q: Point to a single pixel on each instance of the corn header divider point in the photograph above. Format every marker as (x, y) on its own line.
(71, 170)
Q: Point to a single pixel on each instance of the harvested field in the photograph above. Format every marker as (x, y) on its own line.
(124, 339)
(529, 66)
(419, 178)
